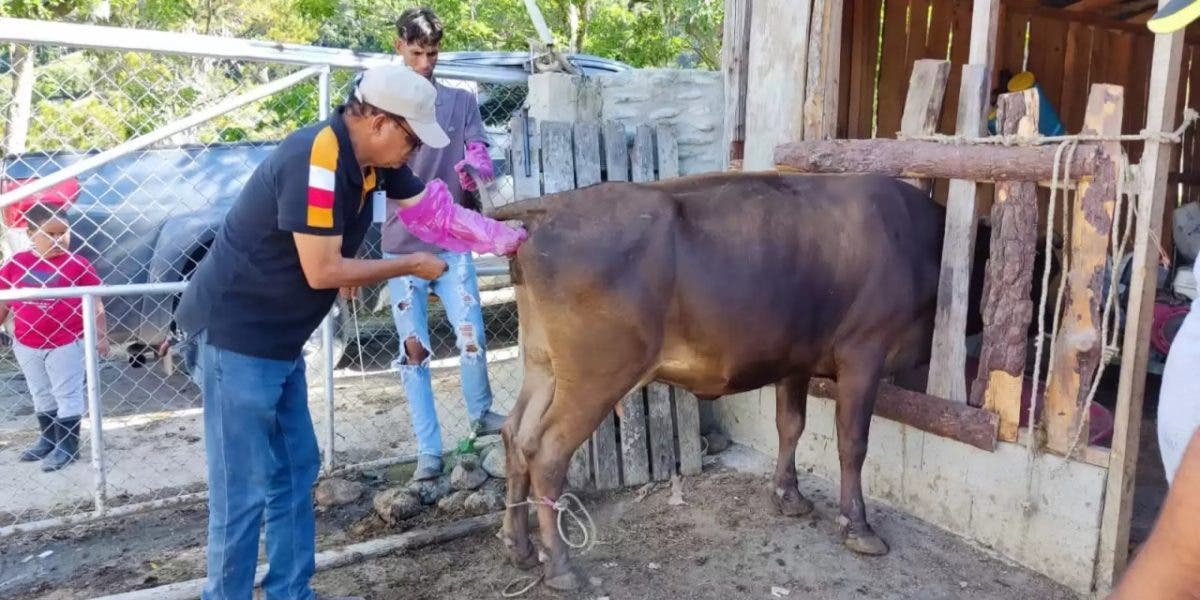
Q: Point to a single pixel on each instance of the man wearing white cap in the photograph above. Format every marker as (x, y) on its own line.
(272, 274)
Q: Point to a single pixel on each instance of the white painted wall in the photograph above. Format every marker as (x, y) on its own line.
(978, 495)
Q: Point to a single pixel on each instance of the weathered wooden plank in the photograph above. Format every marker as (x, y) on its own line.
(616, 152)
(634, 447)
(668, 152)
(579, 472)
(642, 156)
(948, 359)
(735, 62)
(941, 417)
(893, 68)
(662, 431)
(526, 164)
(926, 89)
(1079, 347)
(1007, 309)
(587, 154)
(913, 158)
(862, 69)
(558, 158)
(605, 453)
(1161, 116)
(960, 47)
(1075, 72)
(985, 22)
(687, 428)
(776, 81)
(824, 67)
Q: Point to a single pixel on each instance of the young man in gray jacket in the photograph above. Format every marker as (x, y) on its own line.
(419, 35)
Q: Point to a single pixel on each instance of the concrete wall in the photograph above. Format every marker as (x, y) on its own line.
(976, 494)
(691, 102)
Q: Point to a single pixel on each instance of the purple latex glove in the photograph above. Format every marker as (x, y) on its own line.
(477, 157)
(437, 220)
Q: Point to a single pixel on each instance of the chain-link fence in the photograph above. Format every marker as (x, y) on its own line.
(143, 219)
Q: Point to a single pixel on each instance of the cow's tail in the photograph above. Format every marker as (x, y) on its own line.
(530, 211)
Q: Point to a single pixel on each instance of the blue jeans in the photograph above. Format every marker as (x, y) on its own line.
(458, 290)
(262, 457)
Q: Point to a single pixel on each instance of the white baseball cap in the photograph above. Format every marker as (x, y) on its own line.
(403, 92)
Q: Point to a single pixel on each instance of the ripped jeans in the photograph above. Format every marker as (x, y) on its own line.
(458, 290)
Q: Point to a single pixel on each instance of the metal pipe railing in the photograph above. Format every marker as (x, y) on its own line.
(162, 133)
(100, 37)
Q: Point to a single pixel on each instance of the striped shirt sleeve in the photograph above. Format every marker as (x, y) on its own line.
(308, 188)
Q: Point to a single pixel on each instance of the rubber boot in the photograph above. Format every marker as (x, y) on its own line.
(46, 439)
(67, 449)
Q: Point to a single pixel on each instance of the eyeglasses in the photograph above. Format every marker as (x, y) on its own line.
(413, 139)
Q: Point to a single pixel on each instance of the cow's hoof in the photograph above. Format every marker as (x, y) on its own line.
(524, 561)
(867, 544)
(563, 582)
(790, 503)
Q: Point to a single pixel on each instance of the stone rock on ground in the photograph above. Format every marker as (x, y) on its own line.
(467, 474)
(717, 442)
(338, 492)
(429, 492)
(455, 502)
(494, 462)
(396, 504)
(484, 501)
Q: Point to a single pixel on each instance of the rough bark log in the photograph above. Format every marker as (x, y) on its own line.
(941, 417)
(1007, 308)
(919, 159)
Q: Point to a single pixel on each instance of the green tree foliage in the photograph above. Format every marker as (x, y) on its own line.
(95, 99)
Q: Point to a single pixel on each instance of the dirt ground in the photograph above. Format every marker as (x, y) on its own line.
(153, 429)
(725, 542)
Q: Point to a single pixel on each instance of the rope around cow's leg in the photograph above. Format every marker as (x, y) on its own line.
(561, 507)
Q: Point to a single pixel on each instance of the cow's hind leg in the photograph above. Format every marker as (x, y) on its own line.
(858, 383)
(791, 400)
(537, 390)
(579, 405)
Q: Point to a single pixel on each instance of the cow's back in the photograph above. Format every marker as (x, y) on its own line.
(734, 280)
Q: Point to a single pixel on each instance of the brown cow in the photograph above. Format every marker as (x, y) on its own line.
(718, 284)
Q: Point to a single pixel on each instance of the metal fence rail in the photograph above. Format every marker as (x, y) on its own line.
(147, 137)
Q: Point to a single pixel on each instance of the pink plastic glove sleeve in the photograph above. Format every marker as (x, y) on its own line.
(478, 158)
(437, 220)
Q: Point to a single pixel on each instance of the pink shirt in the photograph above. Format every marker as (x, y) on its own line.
(47, 323)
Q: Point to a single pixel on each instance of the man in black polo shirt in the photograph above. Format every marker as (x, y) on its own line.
(271, 276)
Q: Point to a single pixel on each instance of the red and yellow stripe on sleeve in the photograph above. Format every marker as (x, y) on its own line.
(322, 164)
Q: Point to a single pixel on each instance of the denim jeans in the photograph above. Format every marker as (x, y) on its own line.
(458, 289)
(262, 458)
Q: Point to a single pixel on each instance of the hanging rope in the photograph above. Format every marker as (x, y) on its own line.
(1065, 152)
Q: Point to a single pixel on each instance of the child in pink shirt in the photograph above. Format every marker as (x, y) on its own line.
(49, 334)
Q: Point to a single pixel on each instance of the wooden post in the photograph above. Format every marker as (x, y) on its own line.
(662, 434)
(587, 154)
(923, 107)
(824, 68)
(1078, 348)
(1152, 188)
(526, 184)
(1007, 309)
(616, 152)
(777, 78)
(949, 353)
(735, 55)
(635, 460)
(687, 429)
(642, 155)
(604, 455)
(558, 157)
